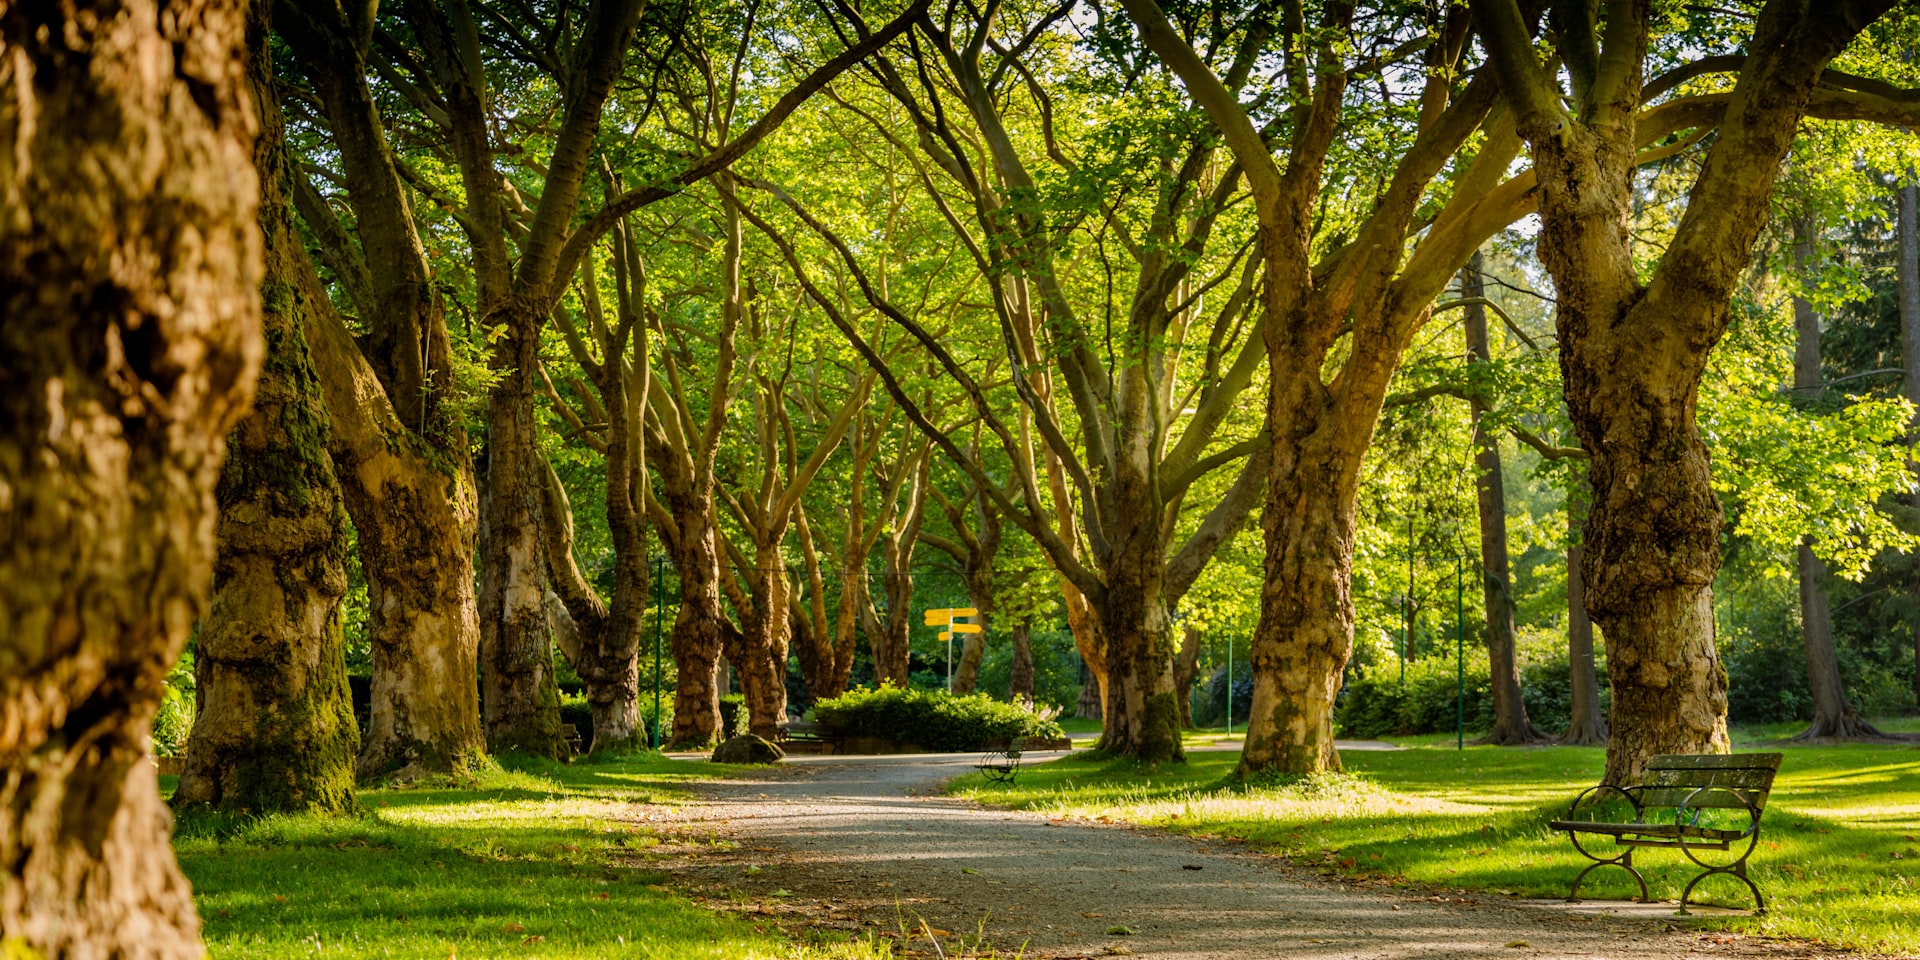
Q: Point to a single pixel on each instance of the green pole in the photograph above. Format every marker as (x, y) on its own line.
(1229, 684)
(658, 568)
(1460, 652)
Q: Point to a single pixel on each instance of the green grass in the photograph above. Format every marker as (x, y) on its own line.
(542, 861)
(1839, 860)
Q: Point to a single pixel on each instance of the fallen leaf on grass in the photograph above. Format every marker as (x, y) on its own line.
(968, 870)
(1119, 930)
(603, 896)
(1093, 916)
(1118, 950)
(530, 941)
(1518, 943)
(512, 928)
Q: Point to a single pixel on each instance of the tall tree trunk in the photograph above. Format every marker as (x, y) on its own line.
(973, 648)
(1633, 352)
(1587, 723)
(1141, 714)
(1510, 722)
(761, 652)
(129, 283)
(1020, 676)
(1833, 715)
(1300, 648)
(1907, 270)
(698, 628)
(518, 694)
(1186, 668)
(398, 442)
(275, 730)
(1086, 638)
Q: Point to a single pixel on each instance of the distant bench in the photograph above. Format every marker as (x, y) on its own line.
(809, 738)
(1721, 786)
(1001, 766)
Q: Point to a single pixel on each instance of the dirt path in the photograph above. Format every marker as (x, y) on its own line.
(864, 843)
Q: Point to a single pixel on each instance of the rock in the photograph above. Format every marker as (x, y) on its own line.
(747, 748)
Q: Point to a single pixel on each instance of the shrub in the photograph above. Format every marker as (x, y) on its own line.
(933, 719)
(1377, 703)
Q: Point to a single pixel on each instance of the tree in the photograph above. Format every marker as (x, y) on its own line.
(1833, 715)
(1096, 415)
(129, 280)
(274, 730)
(1510, 723)
(1633, 350)
(1347, 315)
(398, 441)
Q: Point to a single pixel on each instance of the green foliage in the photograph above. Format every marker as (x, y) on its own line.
(173, 722)
(1378, 702)
(933, 719)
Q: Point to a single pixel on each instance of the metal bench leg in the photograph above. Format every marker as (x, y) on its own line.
(1737, 869)
(1624, 861)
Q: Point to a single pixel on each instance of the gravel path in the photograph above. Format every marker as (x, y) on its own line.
(865, 843)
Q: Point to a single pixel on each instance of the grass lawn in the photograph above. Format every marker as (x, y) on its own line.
(541, 861)
(1839, 857)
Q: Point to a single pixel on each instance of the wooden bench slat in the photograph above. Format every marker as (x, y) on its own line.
(1716, 761)
(1647, 830)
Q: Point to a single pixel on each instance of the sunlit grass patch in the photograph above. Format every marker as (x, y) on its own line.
(539, 860)
(1838, 860)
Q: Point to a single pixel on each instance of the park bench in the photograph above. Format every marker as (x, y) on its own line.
(1724, 788)
(809, 737)
(1001, 766)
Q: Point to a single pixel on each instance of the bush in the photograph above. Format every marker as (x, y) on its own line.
(574, 709)
(1377, 703)
(934, 719)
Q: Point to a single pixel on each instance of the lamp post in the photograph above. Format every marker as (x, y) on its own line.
(1460, 651)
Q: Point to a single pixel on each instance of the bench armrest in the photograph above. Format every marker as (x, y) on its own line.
(1639, 812)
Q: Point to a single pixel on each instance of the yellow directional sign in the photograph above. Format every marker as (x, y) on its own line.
(944, 635)
(940, 618)
(966, 628)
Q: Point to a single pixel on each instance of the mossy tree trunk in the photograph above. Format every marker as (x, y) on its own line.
(1633, 351)
(275, 730)
(399, 446)
(129, 284)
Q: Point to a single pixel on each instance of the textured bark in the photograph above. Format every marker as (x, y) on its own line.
(1020, 676)
(601, 641)
(698, 628)
(1305, 634)
(398, 442)
(1510, 722)
(1632, 354)
(129, 279)
(759, 655)
(1587, 723)
(520, 702)
(275, 730)
(1141, 715)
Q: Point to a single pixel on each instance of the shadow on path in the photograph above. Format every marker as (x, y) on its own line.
(865, 843)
